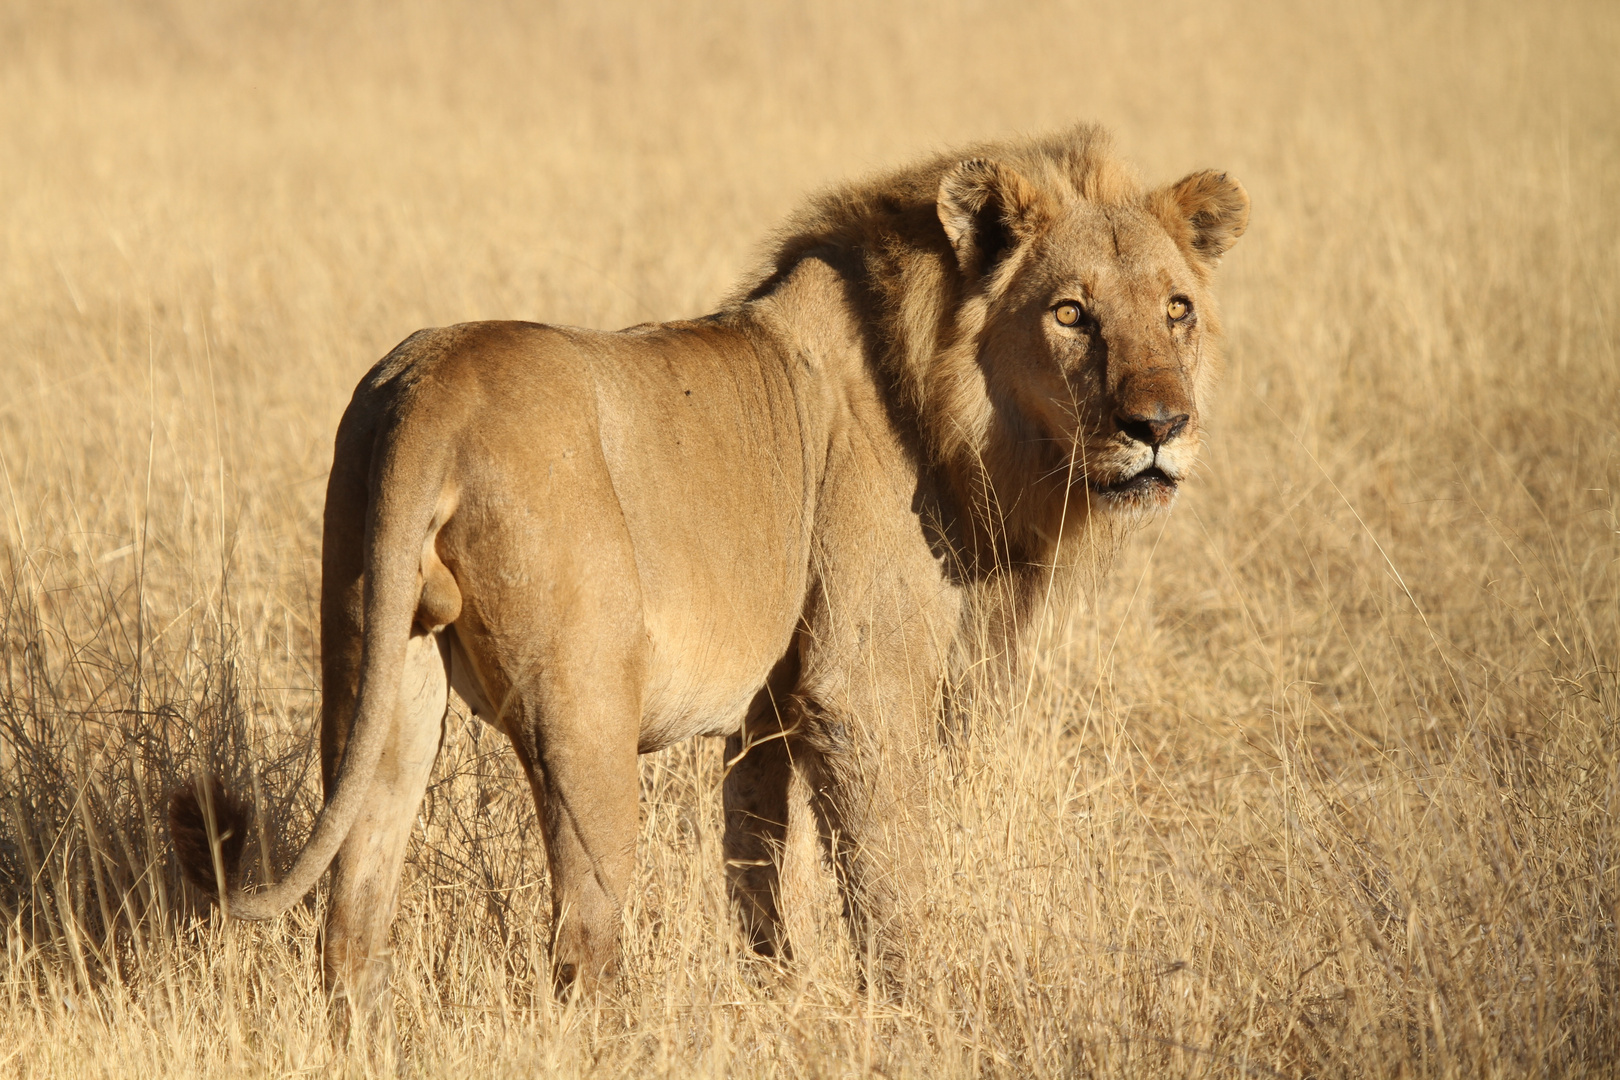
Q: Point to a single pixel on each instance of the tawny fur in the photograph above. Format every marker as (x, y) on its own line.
(787, 523)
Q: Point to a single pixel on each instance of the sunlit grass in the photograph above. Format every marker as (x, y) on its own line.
(1319, 781)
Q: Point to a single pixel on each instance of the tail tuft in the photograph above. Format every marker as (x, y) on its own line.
(203, 814)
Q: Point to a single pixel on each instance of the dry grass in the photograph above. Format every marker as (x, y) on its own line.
(1321, 784)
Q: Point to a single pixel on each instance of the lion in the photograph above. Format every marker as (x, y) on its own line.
(784, 524)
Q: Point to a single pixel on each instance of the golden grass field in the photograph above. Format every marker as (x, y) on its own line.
(1319, 781)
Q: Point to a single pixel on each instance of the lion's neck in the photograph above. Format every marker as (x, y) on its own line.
(1012, 544)
(1003, 509)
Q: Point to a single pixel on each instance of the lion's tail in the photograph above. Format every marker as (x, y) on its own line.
(208, 824)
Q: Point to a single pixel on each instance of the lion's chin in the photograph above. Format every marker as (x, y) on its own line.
(1151, 488)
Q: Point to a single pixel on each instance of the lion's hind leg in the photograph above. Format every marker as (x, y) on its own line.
(579, 752)
(573, 720)
(366, 872)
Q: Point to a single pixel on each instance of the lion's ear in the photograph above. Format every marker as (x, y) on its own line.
(987, 210)
(1204, 212)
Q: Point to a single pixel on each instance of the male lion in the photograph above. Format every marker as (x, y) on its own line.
(784, 523)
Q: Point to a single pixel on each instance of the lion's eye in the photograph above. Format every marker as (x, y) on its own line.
(1067, 313)
(1178, 308)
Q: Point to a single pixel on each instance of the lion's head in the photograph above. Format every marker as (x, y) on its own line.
(1097, 328)
(1095, 341)
(1048, 318)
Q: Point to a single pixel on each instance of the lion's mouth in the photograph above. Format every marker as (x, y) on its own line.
(1152, 483)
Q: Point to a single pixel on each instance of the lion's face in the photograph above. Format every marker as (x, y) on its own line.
(1099, 338)
(1097, 344)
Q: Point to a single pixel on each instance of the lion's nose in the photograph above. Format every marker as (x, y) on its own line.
(1155, 429)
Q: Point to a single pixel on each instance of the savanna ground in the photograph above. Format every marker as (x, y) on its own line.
(1320, 781)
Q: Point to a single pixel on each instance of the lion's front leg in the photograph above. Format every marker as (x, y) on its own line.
(759, 774)
(756, 801)
(865, 709)
(868, 790)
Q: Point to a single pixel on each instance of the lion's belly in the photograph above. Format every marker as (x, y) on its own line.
(720, 606)
(722, 590)
(699, 683)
